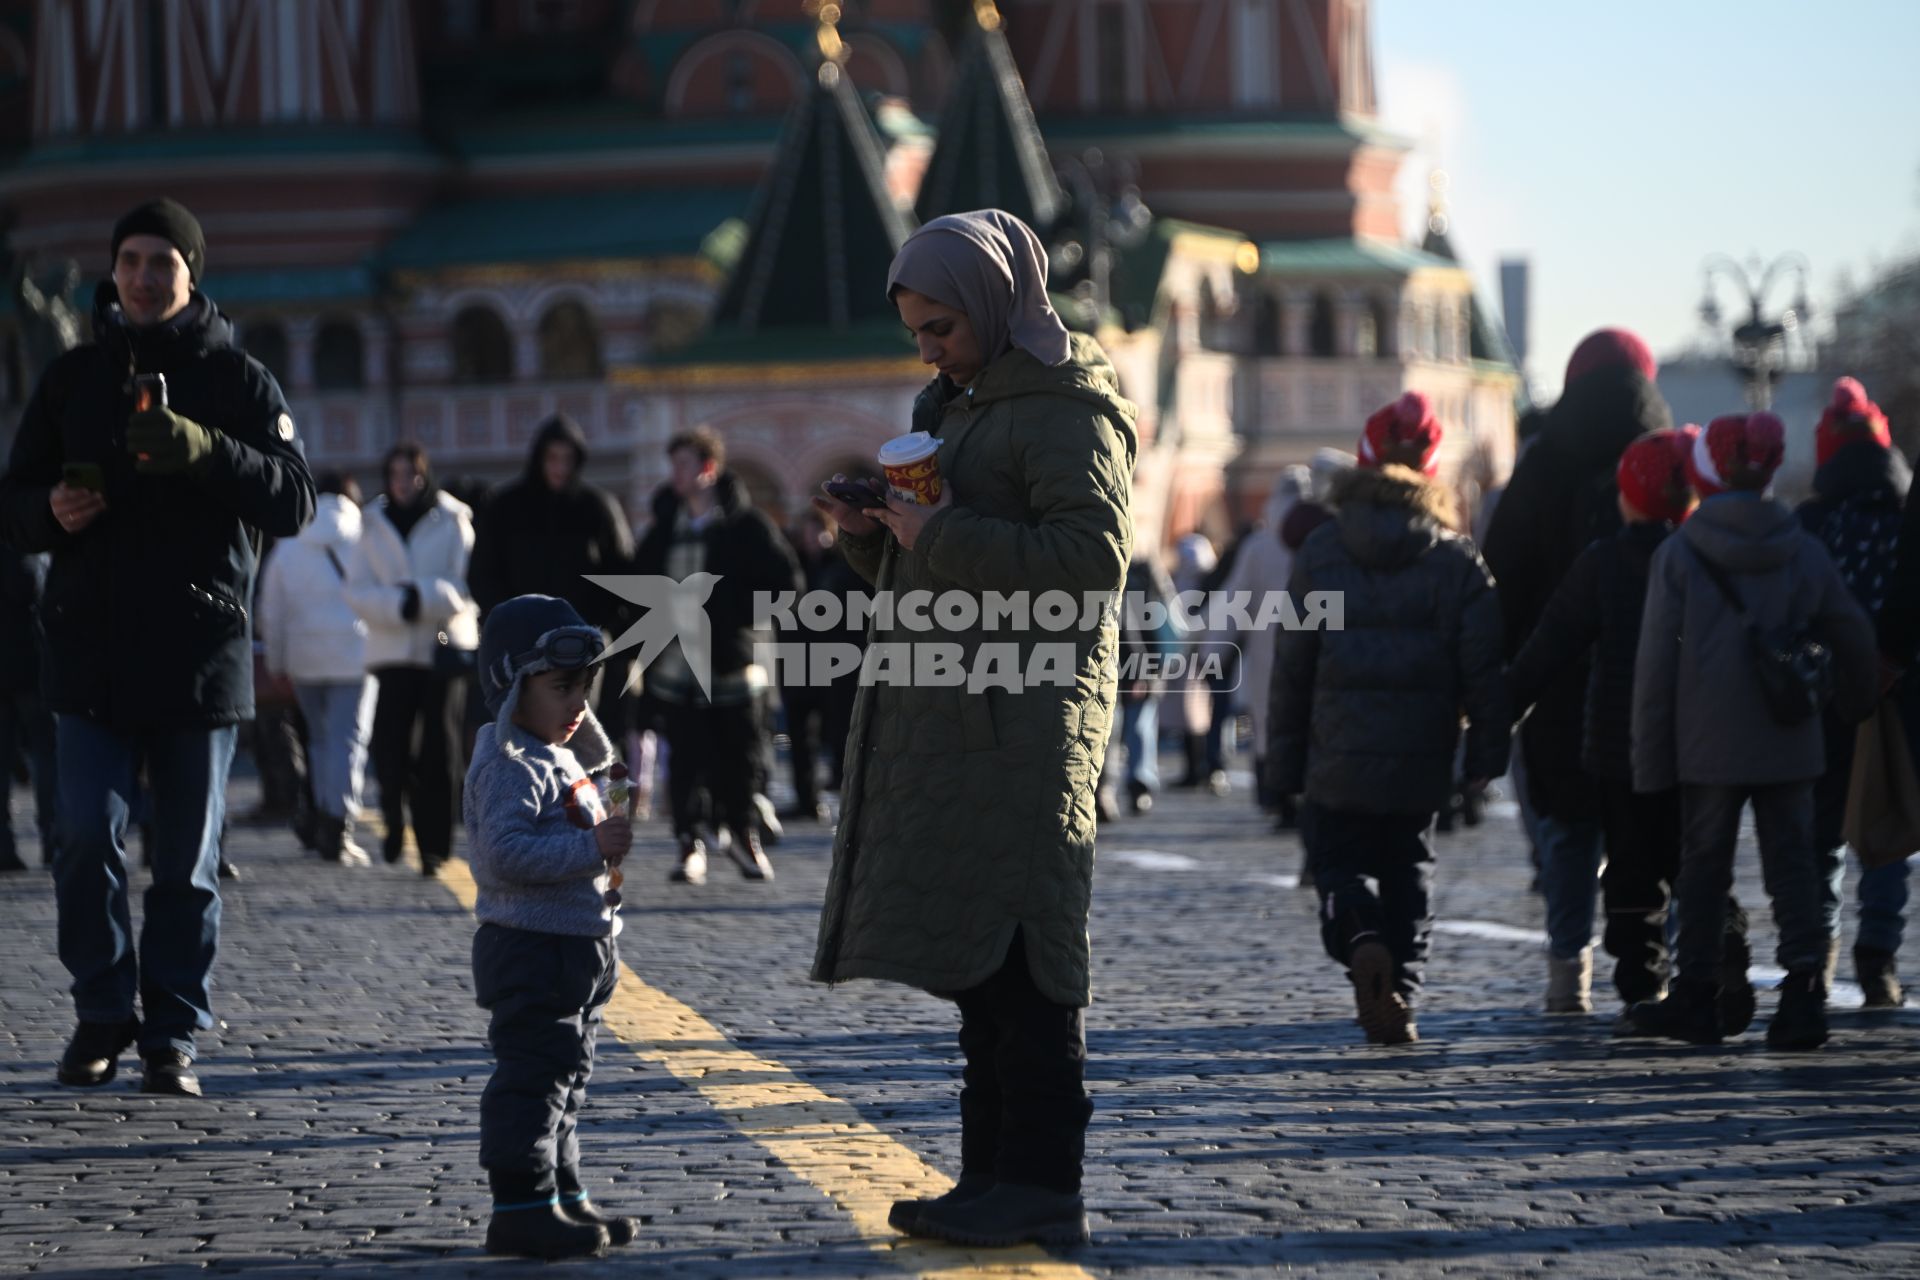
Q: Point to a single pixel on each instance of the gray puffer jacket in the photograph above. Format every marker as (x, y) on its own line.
(1366, 718)
(1699, 712)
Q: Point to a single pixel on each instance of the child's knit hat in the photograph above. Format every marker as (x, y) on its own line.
(1406, 432)
(1738, 451)
(1848, 417)
(1653, 475)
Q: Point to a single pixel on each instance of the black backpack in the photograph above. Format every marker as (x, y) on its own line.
(1797, 676)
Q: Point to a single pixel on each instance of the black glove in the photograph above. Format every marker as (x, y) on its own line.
(410, 603)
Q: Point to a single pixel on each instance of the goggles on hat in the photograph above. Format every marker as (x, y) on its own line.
(561, 649)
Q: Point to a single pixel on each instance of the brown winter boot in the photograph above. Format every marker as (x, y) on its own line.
(1385, 1015)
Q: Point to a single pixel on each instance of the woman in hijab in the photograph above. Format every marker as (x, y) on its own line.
(963, 863)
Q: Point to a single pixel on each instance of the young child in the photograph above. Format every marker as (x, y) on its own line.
(544, 962)
(1597, 607)
(1702, 722)
(1365, 718)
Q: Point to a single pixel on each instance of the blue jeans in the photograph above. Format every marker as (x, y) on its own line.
(1140, 735)
(338, 718)
(1882, 894)
(187, 776)
(1570, 851)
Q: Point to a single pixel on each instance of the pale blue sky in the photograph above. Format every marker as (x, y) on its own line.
(1617, 144)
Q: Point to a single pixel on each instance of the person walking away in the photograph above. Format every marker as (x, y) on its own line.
(546, 847)
(1596, 611)
(26, 730)
(1855, 512)
(1365, 719)
(704, 522)
(963, 862)
(316, 640)
(1560, 499)
(407, 580)
(150, 508)
(1263, 568)
(1899, 627)
(1741, 571)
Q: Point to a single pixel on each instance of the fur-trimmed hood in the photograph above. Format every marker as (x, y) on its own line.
(1389, 516)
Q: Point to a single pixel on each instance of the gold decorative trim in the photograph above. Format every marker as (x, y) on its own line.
(506, 273)
(706, 375)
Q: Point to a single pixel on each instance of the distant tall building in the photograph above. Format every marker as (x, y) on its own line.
(1516, 300)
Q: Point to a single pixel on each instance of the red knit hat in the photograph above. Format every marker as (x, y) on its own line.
(1739, 451)
(1404, 433)
(1850, 417)
(1653, 475)
(1608, 349)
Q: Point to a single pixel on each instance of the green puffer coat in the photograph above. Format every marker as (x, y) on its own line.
(967, 815)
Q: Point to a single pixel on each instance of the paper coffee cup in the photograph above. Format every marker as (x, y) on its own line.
(912, 466)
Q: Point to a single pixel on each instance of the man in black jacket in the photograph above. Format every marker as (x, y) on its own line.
(1561, 498)
(704, 522)
(539, 534)
(153, 516)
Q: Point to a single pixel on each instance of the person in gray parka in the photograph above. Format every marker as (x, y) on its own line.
(1366, 715)
(1702, 720)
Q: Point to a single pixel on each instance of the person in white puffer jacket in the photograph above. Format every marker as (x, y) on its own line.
(315, 639)
(408, 581)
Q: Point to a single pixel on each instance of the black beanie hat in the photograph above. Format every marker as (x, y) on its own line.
(170, 220)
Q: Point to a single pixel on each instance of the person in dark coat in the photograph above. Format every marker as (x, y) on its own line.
(704, 521)
(539, 534)
(1597, 612)
(1855, 512)
(153, 517)
(1366, 716)
(1702, 721)
(26, 730)
(1561, 498)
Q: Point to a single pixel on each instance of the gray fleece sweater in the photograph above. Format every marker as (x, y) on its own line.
(535, 866)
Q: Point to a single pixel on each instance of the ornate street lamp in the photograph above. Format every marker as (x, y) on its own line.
(1759, 342)
(1111, 216)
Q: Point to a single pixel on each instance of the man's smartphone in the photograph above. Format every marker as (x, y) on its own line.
(854, 494)
(84, 475)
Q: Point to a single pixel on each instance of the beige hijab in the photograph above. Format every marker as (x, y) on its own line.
(990, 265)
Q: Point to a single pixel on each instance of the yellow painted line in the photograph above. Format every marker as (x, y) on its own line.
(820, 1138)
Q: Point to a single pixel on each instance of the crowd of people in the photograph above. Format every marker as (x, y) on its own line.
(1671, 643)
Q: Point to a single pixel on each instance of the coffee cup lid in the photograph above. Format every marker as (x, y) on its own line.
(911, 447)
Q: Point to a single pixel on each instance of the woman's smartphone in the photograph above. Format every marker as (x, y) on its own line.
(84, 475)
(854, 494)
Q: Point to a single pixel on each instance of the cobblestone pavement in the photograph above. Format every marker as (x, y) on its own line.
(1242, 1126)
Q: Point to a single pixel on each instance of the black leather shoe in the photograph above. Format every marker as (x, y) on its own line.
(1009, 1214)
(619, 1230)
(168, 1071)
(1691, 1012)
(92, 1056)
(544, 1232)
(905, 1214)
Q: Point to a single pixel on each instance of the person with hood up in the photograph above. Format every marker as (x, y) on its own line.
(1858, 488)
(315, 639)
(151, 513)
(408, 581)
(963, 863)
(1364, 720)
(1561, 498)
(1702, 721)
(1263, 568)
(541, 533)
